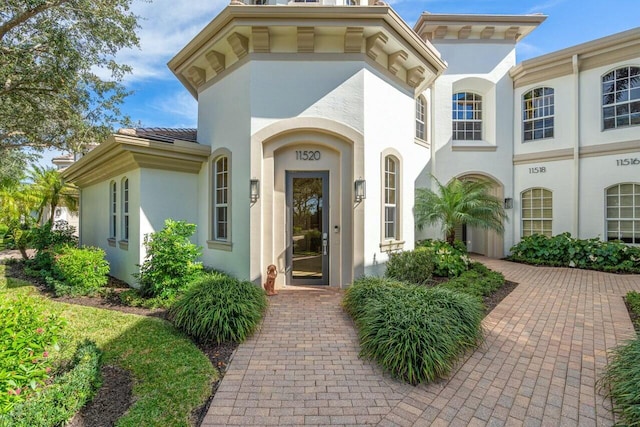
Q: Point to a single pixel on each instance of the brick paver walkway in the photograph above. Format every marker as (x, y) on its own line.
(545, 348)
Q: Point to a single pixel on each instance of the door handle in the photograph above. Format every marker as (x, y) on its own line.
(325, 238)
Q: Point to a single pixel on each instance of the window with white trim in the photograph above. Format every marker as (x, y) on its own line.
(125, 209)
(112, 209)
(538, 114)
(623, 213)
(621, 98)
(467, 116)
(390, 198)
(537, 212)
(221, 199)
(421, 109)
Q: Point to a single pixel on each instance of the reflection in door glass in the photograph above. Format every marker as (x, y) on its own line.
(307, 228)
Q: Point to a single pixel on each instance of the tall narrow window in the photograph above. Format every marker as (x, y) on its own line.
(623, 213)
(621, 98)
(467, 116)
(125, 209)
(420, 118)
(390, 198)
(221, 199)
(538, 114)
(537, 212)
(112, 209)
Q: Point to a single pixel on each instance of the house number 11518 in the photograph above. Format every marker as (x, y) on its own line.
(538, 169)
(307, 155)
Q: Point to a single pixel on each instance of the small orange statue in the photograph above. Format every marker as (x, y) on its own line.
(270, 284)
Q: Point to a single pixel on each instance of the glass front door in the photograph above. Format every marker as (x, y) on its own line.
(307, 225)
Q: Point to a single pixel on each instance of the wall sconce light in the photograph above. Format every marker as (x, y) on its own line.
(360, 189)
(508, 203)
(254, 190)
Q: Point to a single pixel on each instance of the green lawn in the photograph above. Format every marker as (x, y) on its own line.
(171, 376)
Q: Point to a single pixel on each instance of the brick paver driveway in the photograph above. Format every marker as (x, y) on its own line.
(545, 348)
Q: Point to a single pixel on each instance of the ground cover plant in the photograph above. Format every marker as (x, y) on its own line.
(449, 260)
(219, 308)
(414, 332)
(563, 250)
(622, 377)
(633, 303)
(478, 281)
(171, 375)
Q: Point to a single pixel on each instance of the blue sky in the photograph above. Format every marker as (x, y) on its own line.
(159, 100)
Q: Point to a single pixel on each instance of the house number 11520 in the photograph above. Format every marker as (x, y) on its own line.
(307, 155)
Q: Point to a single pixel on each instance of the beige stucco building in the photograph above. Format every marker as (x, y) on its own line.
(316, 123)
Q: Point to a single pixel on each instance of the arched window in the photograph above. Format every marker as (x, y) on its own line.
(112, 209)
(221, 199)
(467, 116)
(125, 210)
(621, 98)
(623, 213)
(390, 198)
(421, 108)
(537, 212)
(538, 114)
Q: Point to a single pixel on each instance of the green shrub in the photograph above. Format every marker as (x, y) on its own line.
(78, 271)
(133, 298)
(418, 334)
(362, 291)
(27, 334)
(564, 251)
(170, 264)
(49, 241)
(479, 281)
(58, 402)
(449, 261)
(415, 267)
(633, 299)
(622, 377)
(219, 308)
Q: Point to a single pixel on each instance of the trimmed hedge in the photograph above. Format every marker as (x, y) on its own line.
(414, 332)
(415, 267)
(219, 308)
(58, 403)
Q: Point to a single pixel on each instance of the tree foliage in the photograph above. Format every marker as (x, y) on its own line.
(51, 190)
(459, 202)
(51, 93)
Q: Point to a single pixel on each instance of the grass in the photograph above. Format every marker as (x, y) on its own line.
(171, 376)
(633, 301)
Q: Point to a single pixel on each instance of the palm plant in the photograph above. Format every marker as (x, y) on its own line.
(52, 191)
(459, 202)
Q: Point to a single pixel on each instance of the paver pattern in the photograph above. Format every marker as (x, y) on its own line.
(545, 348)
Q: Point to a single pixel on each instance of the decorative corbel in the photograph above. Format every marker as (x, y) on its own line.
(415, 76)
(216, 60)
(395, 61)
(306, 39)
(375, 44)
(196, 75)
(261, 41)
(353, 40)
(239, 44)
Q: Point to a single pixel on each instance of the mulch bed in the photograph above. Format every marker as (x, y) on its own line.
(115, 395)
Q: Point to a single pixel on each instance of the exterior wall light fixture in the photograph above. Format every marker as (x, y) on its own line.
(254, 190)
(508, 203)
(360, 189)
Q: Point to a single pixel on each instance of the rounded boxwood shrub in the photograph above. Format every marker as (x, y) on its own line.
(365, 289)
(219, 308)
(418, 334)
(415, 267)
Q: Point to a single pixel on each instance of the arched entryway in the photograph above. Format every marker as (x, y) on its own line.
(485, 242)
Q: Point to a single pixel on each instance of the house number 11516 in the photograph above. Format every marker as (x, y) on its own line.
(307, 155)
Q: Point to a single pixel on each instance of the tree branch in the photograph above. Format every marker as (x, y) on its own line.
(26, 15)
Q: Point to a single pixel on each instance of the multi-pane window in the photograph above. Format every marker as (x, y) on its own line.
(420, 118)
(390, 198)
(537, 114)
(537, 212)
(112, 209)
(125, 209)
(623, 213)
(467, 116)
(621, 98)
(221, 199)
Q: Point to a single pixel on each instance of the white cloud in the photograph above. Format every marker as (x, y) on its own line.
(166, 26)
(542, 7)
(181, 107)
